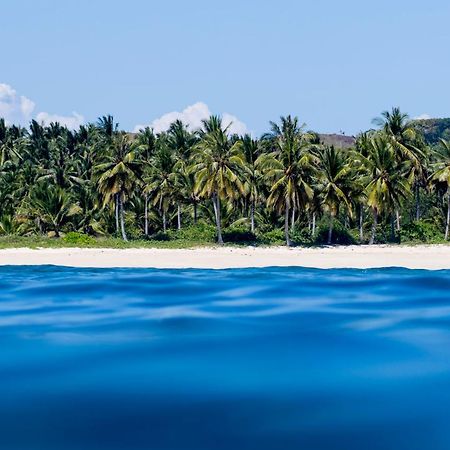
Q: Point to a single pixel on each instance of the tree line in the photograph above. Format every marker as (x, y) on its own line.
(100, 180)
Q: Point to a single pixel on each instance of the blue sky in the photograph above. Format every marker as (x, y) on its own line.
(335, 64)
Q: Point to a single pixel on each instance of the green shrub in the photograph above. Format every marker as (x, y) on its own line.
(272, 237)
(76, 238)
(238, 234)
(301, 236)
(341, 235)
(197, 233)
(421, 231)
(160, 236)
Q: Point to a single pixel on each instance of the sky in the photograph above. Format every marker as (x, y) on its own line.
(334, 64)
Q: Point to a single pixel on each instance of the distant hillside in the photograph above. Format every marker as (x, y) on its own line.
(433, 129)
(337, 140)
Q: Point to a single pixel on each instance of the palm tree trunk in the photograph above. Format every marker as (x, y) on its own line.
(417, 201)
(116, 210)
(361, 223)
(392, 228)
(374, 226)
(314, 224)
(164, 220)
(397, 214)
(293, 219)
(195, 213)
(286, 224)
(39, 224)
(216, 203)
(179, 216)
(146, 215)
(330, 229)
(122, 219)
(252, 216)
(448, 216)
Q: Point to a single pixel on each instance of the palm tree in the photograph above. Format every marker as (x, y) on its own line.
(387, 183)
(441, 174)
(251, 150)
(181, 141)
(408, 146)
(118, 174)
(62, 169)
(288, 168)
(11, 140)
(147, 146)
(335, 182)
(218, 165)
(160, 182)
(50, 206)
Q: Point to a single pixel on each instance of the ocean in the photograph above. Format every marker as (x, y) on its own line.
(275, 358)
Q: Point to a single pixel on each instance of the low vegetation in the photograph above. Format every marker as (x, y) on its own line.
(101, 187)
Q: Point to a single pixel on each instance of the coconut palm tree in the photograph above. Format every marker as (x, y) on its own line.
(50, 206)
(408, 146)
(181, 141)
(160, 180)
(387, 184)
(335, 180)
(251, 149)
(287, 167)
(117, 175)
(218, 165)
(11, 141)
(147, 145)
(441, 175)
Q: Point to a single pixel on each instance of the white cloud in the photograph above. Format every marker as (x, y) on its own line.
(72, 122)
(14, 108)
(192, 116)
(19, 109)
(236, 126)
(423, 117)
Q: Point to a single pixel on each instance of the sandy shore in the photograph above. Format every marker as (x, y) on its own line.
(420, 257)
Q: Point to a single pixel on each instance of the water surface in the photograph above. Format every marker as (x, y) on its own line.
(278, 358)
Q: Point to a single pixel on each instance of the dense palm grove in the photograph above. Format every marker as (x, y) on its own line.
(101, 181)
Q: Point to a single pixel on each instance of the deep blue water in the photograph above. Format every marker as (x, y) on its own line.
(282, 358)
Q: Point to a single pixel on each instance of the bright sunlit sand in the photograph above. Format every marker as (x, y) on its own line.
(414, 257)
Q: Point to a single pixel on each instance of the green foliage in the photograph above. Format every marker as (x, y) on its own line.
(104, 183)
(341, 235)
(421, 231)
(301, 236)
(274, 237)
(201, 232)
(433, 129)
(76, 238)
(238, 234)
(160, 236)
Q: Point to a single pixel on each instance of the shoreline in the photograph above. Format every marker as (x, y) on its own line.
(431, 257)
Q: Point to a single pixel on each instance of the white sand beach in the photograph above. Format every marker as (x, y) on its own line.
(431, 257)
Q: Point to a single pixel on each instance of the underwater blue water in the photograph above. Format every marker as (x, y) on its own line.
(277, 358)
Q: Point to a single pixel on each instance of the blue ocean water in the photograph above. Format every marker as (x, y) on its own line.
(277, 358)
